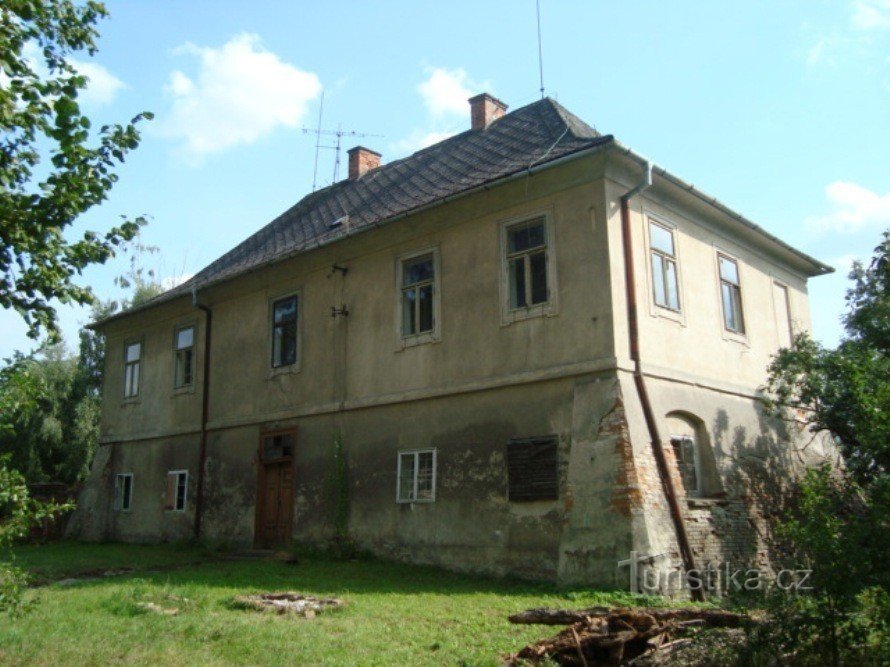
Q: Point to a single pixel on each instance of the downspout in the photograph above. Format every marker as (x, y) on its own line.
(640, 382)
(205, 402)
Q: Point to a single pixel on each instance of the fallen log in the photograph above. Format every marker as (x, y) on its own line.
(715, 618)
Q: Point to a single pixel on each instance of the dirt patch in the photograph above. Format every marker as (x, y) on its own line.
(306, 606)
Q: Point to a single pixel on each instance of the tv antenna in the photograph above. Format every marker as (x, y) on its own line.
(336, 137)
(540, 48)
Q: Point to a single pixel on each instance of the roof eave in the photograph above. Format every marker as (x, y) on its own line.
(813, 265)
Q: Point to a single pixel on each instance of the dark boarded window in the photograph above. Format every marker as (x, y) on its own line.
(278, 446)
(532, 472)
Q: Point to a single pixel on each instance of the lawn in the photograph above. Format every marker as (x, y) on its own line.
(395, 614)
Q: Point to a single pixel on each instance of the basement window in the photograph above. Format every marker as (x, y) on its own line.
(132, 368)
(416, 473)
(123, 492)
(686, 453)
(184, 357)
(177, 486)
(532, 469)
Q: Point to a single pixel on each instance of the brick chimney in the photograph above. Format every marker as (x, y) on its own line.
(361, 161)
(484, 109)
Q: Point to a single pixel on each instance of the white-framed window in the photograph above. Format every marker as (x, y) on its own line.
(663, 257)
(184, 356)
(123, 492)
(418, 295)
(285, 331)
(416, 474)
(177, 488)
(526, 259)
(688, 463)
(132, 368)
(731, 294)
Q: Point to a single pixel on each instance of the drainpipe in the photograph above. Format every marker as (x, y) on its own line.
(640, 382)
(205, 402)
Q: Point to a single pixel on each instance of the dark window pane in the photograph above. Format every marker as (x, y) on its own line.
(406, 477)
(284, 345)
(673, 292)
(517, 283)
(539, 277)
(426, 308)
(285, 311)
(417, 270)
(532, 469)
(658, 279)
(525, 236)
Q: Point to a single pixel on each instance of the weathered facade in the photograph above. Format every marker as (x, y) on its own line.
(436, 357)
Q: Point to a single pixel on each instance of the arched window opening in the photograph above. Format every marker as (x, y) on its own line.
(695, 458)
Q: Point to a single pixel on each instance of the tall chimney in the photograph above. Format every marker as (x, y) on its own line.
(361, 161)
(484, 109)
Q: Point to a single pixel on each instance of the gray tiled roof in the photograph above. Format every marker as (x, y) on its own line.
(535, 134)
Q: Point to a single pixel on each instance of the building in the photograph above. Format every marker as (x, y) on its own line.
(521, 350)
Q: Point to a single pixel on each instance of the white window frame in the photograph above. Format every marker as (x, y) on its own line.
(416, 453)
(270, 315)
(435, 335)
(547, 308)
(185, 490)
(731, 334)
(127, 364)
(194, 327)
(656, 309)
(118, 501)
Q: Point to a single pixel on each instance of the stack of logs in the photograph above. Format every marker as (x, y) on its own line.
(603, 636)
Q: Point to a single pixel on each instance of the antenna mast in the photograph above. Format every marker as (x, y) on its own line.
(540, 48)
(339, 133)
(317, 141)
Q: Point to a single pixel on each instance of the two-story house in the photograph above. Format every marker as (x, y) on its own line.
(524, 349)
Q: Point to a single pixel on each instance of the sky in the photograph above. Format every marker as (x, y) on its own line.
(780, 109)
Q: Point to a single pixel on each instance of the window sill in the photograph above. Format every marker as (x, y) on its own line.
(183, 391)
(418, 339)
(547, 309)
(668, 314)
(133, 400)
(416, 502)
(706, 503)
(735, 337)
(293, 369)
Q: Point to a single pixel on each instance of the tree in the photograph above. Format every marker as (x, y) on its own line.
(838, 528)
(40, 118)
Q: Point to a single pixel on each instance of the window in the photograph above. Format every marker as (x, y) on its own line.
(731, 293)
(177, 485)
(132, 364)
(418, 294)
(664, 267)
(284, 332)
(278, 446)
(416, 476)
(184, 354)
(526, 257)
(532, 469)
(783, 315)
(123, 492)
(686, 453)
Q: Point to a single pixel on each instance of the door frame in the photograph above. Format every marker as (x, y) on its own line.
(262, 463)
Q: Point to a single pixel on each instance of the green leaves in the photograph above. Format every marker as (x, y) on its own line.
(40, 120)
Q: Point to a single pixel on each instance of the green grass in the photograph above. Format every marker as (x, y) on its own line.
(395, 614)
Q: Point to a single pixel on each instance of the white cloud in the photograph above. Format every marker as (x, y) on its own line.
(871, 14)
(241, 93)
(102, 85)
(854, 207)
(446, 91)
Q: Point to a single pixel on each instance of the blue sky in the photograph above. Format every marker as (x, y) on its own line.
(779, 109)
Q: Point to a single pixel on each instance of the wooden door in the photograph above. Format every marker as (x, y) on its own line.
(275, 492)
(278, 503)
